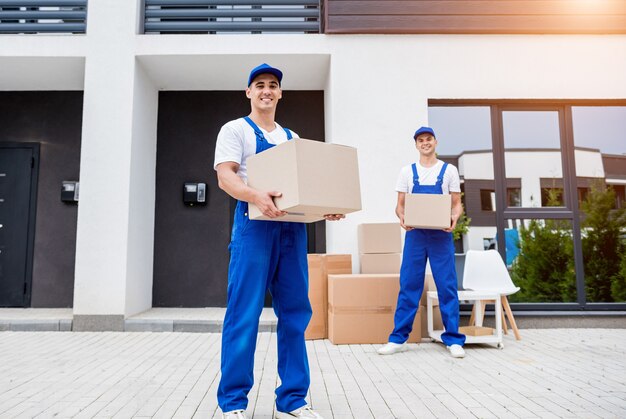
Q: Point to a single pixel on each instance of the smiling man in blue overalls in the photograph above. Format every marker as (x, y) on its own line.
(428, 176)
(263, 255)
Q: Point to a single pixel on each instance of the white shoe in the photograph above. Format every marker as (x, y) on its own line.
(304, 412)
(392, 348)
(457, 351)
(235, 414)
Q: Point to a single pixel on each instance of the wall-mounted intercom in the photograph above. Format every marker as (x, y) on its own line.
(194, 193)
(69, 191)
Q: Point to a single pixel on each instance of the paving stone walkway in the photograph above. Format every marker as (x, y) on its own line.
(577, 373)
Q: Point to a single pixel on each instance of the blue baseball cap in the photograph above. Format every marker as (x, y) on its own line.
(424, 130)
(264, 69)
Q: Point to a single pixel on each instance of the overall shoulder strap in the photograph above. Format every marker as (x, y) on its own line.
(441, 173)
(254, 126)
(415, 175)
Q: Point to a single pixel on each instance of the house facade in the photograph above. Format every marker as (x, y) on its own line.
(126, 98)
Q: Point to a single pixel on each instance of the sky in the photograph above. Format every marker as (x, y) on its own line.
(469, 128)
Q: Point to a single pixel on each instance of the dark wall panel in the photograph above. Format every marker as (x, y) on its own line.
(53, 119)
(191, 243)
(475, 17)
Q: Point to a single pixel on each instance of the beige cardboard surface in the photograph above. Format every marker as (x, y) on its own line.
(430, 211)
(380, 263)
(476, 330)
(379, 238)
(315, 178)
(361, 308)
(320, 266)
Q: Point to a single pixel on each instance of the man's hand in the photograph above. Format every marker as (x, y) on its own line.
(264, 201)
(449, 229)
(334, 217)
(407, 228)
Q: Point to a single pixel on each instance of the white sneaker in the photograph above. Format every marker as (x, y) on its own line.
(392, 348)
(457, 351)
(235, 414)
(304, 412)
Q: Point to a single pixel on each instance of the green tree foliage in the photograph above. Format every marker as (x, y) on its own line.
(544, 268)
(618, 287)
(462, 224)
(603, 245)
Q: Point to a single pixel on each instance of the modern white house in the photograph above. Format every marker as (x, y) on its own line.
(126, 97)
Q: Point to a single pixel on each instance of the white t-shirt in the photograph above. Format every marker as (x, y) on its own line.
(236, 142)
(428, 176)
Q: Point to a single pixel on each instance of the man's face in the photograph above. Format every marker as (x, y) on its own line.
(264, 92)
(426, 144)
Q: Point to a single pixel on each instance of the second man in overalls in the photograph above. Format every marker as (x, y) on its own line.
(428, 176)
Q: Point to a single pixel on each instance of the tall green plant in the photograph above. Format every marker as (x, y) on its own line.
(544, 267)
(603, 245)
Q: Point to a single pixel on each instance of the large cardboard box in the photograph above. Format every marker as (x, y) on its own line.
(380, 238)
(320, 266)
(381, 263)
(361, 308)
(431, 211)
(315, 179)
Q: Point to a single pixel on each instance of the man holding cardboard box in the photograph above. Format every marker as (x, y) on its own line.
(264, 254)
(429, 176)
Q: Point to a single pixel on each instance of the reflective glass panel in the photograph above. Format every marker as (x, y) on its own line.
(600, 150)
(464, 139)
(532, 157)
(540, 258)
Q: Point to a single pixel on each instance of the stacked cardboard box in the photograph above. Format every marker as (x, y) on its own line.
(320, 266)
(380, 247)
(361, 308)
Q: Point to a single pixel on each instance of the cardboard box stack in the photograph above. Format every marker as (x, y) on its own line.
(361, 308)
(380, 248)
(315, 178)
(320, 266)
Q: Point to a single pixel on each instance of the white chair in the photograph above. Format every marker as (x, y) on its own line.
(486, 271)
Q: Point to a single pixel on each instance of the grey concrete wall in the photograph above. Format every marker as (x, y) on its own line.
(191, 243)
(54, 120)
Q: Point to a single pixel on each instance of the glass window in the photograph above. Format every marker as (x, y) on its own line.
(514, 197)
(464, 139)
(487, 200)
(540, 256)
(600, 151)
(532, 140)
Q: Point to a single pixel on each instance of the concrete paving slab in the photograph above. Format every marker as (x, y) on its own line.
(549, 373)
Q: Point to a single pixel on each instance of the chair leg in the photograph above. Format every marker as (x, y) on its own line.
(509, 314)
(483, 304)
(504, 326)
(471, 320)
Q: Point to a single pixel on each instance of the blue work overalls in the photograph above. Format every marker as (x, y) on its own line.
(438, 247)
(265, 254)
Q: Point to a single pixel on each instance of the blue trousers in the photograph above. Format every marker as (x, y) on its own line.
(438, 247)
(265, 255)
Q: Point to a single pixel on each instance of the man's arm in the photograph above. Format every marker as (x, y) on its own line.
(234, 186)
(400, 210)
(457, 210)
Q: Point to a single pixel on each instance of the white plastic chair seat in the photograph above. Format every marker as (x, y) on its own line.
(486, 271)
